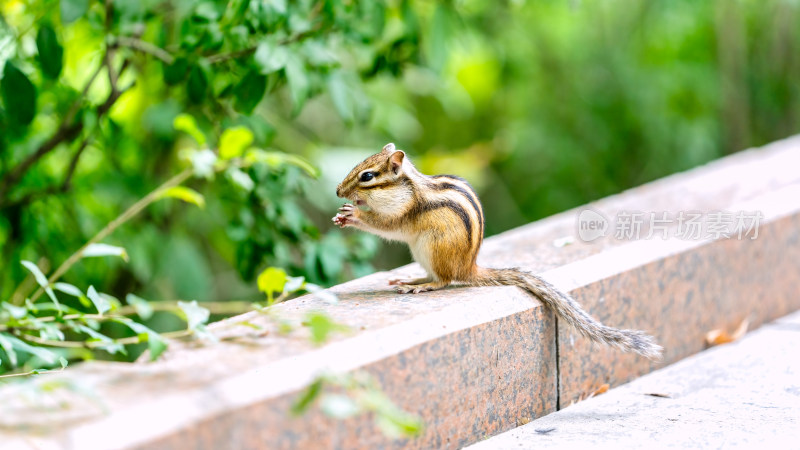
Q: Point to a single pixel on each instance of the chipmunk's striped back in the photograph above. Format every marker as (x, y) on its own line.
(470, 210)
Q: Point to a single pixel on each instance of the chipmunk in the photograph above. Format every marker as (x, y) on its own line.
(441, 220)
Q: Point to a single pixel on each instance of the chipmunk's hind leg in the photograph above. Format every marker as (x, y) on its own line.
(410, 281)
(432, 286)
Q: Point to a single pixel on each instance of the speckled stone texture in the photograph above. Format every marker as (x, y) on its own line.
(466, 385)
(745, 394)
(681, 297)
(471, 361)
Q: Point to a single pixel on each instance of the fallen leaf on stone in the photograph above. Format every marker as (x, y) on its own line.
(544, 430)
(720, 336)
(658, 394)
(601, 390)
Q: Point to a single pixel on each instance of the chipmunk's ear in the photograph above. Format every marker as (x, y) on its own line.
(396, 160)
(389, 148)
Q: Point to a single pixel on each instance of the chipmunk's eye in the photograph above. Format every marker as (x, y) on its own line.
(366, 176)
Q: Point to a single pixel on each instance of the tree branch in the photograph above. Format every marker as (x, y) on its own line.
(145, 47)
(73, 163)
(95, 344)
(66, 131)
(222, 57)
(6, 203)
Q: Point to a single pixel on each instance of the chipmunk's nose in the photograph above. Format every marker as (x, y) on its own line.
(339, 190)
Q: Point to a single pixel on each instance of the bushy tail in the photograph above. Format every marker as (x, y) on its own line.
(570, 311)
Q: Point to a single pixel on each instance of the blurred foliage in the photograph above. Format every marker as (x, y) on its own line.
(547, 105)
(542, 105)
(101, 101)
(90, 91)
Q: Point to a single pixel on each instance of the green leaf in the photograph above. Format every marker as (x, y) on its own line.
(234, 141)
(241, 179)
(72, 10)
(19, 95)
(5, 344)
(113, 302)
(197, 85)
(196, 315)
(279, 159)
(41, 279)
(98, 300)
(155, 343)
(339, 406)
(400, 424)
(16, 312)
(299, 84)
(51, 54)
(107, 343)
(294, 284)
(206, 11)
(186, 194)
(142, 306)
(321, 326)
(175, 73)
(273, 279)
(279, 6)
(393, 421)
(68, 289)
(20, 346)
(31, 306)
(270, 56)
(97, 249)
(186, 123)
(249, 92)
(50, 331)
(308, 397)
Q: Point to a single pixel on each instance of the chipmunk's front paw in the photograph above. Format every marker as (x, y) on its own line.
(347, 216)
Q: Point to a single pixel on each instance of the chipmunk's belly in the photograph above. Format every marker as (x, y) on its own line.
(421, 252)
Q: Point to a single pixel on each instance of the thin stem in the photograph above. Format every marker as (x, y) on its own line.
(32, 372)
(145, 47)
(95, 344)
(233, 307)
(135, 209)
(99, 317)
(214, 59)
(228, 308)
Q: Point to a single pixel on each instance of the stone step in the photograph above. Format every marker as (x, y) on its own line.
(742, 394)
